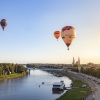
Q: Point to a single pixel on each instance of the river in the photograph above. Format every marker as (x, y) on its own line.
(30, 87)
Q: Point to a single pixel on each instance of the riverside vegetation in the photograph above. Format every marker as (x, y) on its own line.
(10, 70)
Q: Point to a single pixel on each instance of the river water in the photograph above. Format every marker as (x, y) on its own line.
(30, 87)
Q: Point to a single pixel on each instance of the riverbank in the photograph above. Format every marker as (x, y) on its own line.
(75, 93)
(15, 75)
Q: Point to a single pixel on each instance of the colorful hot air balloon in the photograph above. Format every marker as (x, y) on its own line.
(57, 34)
(3, 23)
(68, 33)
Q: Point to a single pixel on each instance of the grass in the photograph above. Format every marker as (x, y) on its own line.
(10, 76)
(77, 83)
(76, 93)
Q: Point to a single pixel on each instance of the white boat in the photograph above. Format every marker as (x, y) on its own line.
(58, 85)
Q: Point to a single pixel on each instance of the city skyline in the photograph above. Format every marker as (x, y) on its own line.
(28, 37)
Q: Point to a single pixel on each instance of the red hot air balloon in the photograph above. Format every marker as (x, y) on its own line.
(68, 34)
(57, 34)
(3, 23)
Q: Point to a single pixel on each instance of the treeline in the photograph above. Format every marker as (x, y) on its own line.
(30, 65)
(43, 66)
(93, 71)
(10, 68)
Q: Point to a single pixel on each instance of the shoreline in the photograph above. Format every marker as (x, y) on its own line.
(16, 75)
(73, 78)
(69, 74)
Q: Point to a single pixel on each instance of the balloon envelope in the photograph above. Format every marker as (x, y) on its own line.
(3, 23)
(68, 33)
(57, 34)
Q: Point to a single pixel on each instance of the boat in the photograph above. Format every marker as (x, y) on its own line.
(42, 82)
(58, 86)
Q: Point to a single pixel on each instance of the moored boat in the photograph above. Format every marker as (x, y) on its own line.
(58, 85)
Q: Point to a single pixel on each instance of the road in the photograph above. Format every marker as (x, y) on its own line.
(95, 94)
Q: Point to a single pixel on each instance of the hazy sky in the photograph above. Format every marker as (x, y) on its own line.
(28, 37)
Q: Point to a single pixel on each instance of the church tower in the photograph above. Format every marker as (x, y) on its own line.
(73, 63)
(78, 61)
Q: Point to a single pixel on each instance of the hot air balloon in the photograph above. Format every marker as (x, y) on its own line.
(57, 34)
(3, 23)
(68, 33)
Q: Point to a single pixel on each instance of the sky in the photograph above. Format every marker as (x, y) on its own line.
(28, 37)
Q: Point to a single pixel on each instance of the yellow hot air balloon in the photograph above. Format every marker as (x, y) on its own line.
(68, 33)
(57, 34)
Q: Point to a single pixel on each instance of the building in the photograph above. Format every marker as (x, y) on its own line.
(77, 62)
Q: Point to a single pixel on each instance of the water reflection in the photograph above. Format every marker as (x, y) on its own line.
(31, 87)
(57, 92)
